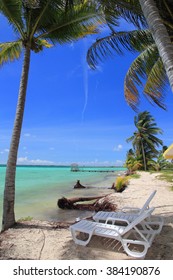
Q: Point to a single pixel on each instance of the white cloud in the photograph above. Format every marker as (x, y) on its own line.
(71, 46)
(22, 159)
(25, 160)
(119, 162)
(4, 151)
(27, 134)
(118, 148)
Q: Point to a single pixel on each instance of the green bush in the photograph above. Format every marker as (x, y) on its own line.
(121, 183)
(28, 218)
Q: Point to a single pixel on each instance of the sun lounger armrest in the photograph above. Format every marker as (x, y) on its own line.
(110, 219)
(130, 209)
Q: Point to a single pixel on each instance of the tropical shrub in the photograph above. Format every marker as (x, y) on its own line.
(121, 183)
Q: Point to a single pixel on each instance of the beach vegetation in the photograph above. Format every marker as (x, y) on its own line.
(145, 143)
(133, 162)
(159, 163)
(121, 183)
(135, 176)
(167, 175)
(22, 219)
(37, 25)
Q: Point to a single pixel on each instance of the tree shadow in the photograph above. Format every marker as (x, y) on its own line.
(41, 225)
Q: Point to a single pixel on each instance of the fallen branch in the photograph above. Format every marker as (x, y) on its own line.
(101, 203)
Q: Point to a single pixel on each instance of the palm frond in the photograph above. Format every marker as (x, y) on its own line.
(118, 42)
(12, 10)
(137, 73)
(10, 51)
(156, 83)
(130, 10)
(72, 25)
(44, 43)
(38, 45)
(44, 8)
(102, 49)
(130, 139)
(44, 14)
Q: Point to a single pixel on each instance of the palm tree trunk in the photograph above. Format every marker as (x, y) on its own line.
(160, 36)
(143, 155)
(9, 190)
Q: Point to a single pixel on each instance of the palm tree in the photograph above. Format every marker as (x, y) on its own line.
(158, 164)
(148, 64)
(143, 139)
(130, 10)
(133, 162)
(160, 33)
(37, 24)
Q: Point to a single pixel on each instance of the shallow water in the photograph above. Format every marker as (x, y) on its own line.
(39, 188)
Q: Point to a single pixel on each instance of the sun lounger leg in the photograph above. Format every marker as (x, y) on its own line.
(80, 241)
(136, 254)
(158, 223)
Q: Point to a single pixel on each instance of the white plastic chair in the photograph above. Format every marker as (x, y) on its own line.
(130, 213)
(130, 234)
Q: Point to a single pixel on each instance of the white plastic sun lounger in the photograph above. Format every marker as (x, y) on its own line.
(130, 213)
(129, 234)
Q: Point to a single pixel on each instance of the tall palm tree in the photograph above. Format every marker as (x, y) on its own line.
(160, 33)
(144, 139)
(37, 24)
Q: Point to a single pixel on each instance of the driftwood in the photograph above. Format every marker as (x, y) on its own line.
(78, 185)
(101, 203)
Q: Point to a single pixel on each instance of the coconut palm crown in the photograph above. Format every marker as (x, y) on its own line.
(37, 24)
(144, 139)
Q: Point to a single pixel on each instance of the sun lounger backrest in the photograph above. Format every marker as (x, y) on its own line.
(146, 205)
(139, 219)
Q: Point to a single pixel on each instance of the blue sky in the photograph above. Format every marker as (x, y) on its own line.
(73, 114)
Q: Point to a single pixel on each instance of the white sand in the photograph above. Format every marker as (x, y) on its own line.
(44, 240)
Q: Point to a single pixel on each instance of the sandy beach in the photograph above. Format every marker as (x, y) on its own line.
(42, 240)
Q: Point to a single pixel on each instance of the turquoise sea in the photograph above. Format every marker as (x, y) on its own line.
(39, 187)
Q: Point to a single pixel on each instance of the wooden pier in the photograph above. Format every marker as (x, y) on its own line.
(76, 168)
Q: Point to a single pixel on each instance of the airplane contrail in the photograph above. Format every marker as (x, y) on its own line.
(85, 79)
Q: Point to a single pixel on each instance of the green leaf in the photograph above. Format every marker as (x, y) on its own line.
(44, 43)
(12, 10)
(72, 25)
(144, 67)
(10, 51)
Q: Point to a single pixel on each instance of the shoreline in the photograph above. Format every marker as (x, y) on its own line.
(40, 201)
(52, 241)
